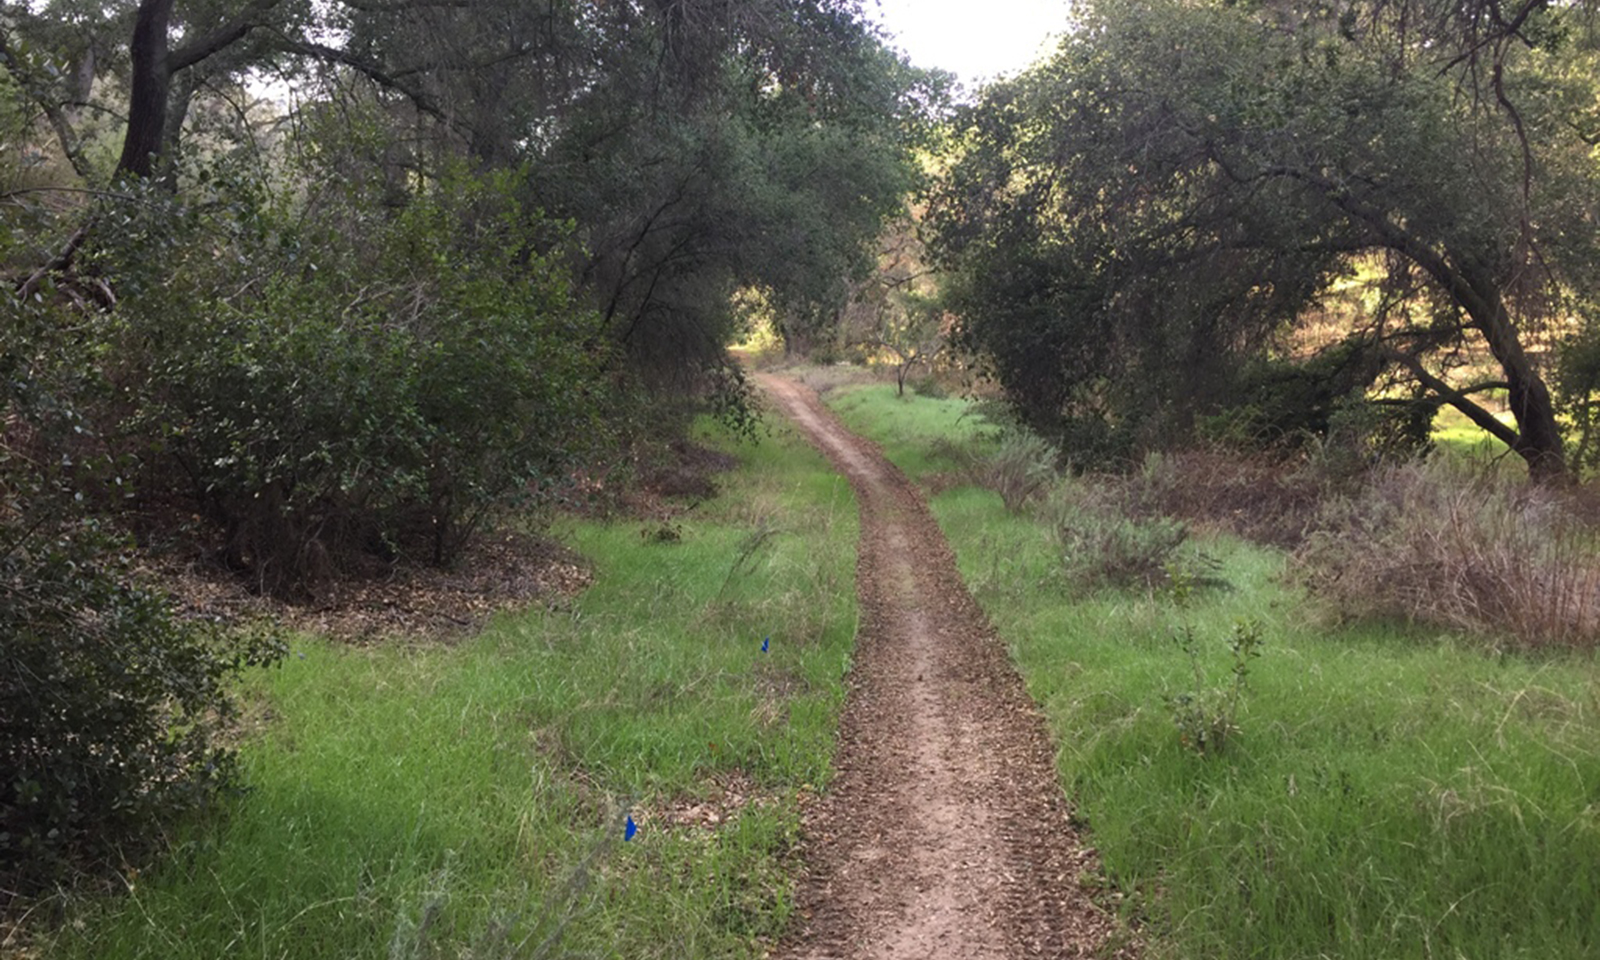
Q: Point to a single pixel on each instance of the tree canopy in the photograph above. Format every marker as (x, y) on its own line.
(1184, 182)
(696, 146)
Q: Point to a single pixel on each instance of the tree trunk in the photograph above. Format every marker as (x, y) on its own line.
(179, 100)
(901, 372)
(1539, 440)
(152, 78)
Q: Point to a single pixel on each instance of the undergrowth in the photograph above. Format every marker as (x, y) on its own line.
(1436, 543)
(1103, 544)
(433, 801)
(1206, 714)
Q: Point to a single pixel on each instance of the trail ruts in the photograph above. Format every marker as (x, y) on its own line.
(945, 833)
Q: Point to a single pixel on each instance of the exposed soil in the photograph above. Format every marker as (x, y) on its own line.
(945, 833)
(504, 571)
(499, 571)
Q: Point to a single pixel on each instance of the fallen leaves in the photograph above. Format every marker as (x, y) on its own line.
(508, 571)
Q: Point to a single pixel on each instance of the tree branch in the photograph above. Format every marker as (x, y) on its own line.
(70, 147)
(60, 261)
(372, 71)
(1592, 139)
(1458, 399)
(108, 194)
(1509, 29)
(401, 6)
(221, 38)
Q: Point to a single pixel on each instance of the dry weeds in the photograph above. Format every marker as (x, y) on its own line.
(1429, 543)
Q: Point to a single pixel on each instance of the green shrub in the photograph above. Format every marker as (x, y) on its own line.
(109, 703)
(1017, 465)
(1106, 544)
(930, 387)
(1575, 378)
(345, 383)
(1323, 400)
(112, 706)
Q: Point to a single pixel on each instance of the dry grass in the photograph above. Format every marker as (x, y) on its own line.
(1265, 499)
(1431, 543)
(825, 378)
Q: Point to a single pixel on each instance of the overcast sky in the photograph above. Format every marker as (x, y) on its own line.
(974, 39)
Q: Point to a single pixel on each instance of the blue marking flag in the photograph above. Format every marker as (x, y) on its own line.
(631, 829)
(764, 644)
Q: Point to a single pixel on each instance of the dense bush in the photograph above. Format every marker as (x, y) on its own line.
(1290, 402)
(1576, 381)
(334, 380)
(109, 704)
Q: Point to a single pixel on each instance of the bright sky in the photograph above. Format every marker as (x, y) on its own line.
(974, 39)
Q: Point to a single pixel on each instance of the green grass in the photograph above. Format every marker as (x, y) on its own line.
(1458, 437)
(446, 801)
(907, 426)
(1390, 794)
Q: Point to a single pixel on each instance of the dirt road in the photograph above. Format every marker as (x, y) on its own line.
(945, 833)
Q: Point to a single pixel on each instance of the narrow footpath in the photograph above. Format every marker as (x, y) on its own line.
(944, 835)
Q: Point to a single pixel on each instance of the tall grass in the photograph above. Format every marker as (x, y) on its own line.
(451, 801)
(1387, 792)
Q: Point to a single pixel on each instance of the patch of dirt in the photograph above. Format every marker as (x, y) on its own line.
(504, 571)
(659, 482)
(501, 571)
(945, 833)
(730, 793)
(687, 472)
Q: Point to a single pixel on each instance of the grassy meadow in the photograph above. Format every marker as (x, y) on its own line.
(1389, 792)
(433, 800)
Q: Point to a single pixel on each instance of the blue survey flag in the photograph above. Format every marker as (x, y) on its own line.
(631, 829)
(764, 644)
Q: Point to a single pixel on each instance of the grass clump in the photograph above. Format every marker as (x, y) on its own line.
(437, 800)
(1011, 461)
(1433, 543)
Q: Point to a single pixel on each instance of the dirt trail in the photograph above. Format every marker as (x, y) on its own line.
(944, 834)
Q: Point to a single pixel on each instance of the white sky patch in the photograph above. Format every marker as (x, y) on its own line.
(976, 40)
